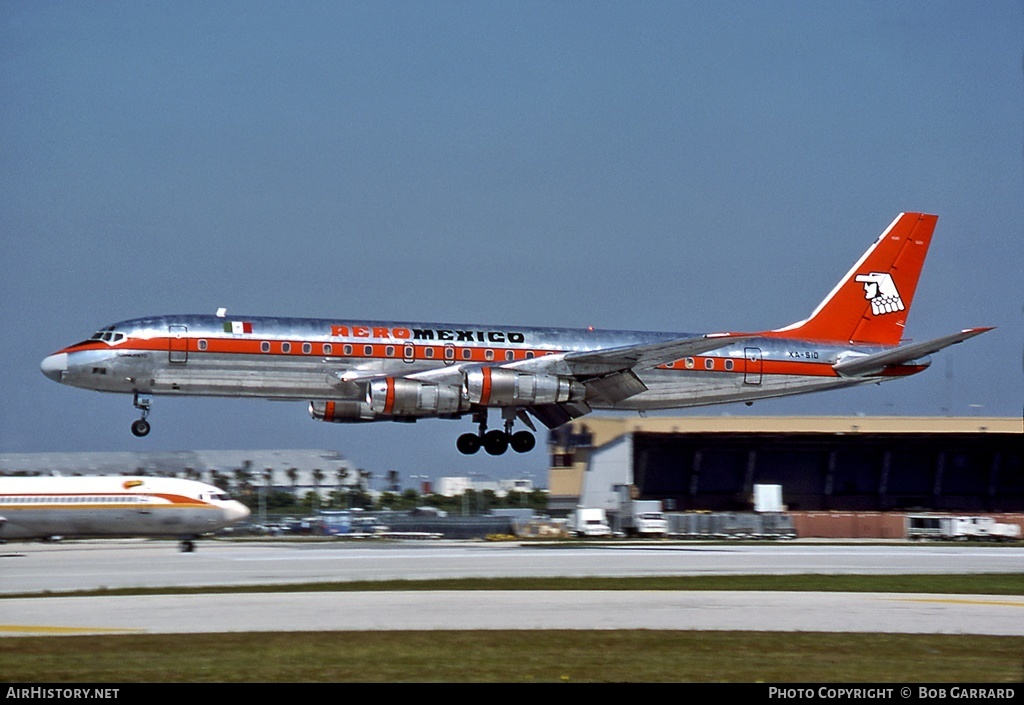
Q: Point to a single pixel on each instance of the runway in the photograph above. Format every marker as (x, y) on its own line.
(38, 568)
(477, 610)
(30, 568)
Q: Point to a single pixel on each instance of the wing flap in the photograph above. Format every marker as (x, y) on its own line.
(554, 415)
(616, 387)
(865, 365)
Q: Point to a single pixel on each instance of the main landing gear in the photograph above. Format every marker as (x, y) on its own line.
(140, 427)
(495, 442)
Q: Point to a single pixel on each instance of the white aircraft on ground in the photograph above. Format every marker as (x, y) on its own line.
(97, 506)
(352, 370)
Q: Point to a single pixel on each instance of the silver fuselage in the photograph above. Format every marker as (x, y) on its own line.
(323, 359)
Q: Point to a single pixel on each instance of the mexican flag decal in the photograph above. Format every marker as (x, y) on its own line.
(238, 327)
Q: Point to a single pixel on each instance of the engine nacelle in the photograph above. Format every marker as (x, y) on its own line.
(490, 386)
(342, 411)
(408, 397)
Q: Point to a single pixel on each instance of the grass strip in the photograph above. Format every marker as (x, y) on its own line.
(515, 657)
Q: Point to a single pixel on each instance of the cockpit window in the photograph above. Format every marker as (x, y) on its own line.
(214, 496)
(108, 335)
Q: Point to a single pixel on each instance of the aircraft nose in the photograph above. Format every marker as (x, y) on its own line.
(54, 366)
(236, 511)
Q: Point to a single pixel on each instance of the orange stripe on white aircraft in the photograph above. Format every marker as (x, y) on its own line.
(358, 371)
(113, 506)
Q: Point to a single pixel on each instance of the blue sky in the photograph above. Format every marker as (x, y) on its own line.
(678, 166)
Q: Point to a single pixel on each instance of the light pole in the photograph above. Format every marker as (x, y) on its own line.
(481, 503)
(417, 486)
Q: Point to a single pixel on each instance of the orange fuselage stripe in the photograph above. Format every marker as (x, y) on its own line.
(467, 354)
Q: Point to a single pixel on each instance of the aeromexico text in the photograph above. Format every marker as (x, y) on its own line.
(456, 336)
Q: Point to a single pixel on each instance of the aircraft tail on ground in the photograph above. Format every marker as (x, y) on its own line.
(870, 304)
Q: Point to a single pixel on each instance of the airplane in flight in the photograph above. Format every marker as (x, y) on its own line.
(352, 370)
(108, 506)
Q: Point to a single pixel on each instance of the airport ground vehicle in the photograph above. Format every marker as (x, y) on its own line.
(349, 523)
(588, 522)
(643, 518)
(960, 528)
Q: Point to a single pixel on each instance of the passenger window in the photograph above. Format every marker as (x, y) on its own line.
(368, 350)
(286, 347)
(201, 344)
(709, 364)
(328, 349)
(264, 346)
(307, 348)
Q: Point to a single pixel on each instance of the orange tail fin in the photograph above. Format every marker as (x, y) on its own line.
(871, 303)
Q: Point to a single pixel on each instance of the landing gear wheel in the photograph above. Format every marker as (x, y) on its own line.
(142, 402)
(187, 546)
(468, 443)
(523, 442)
(496, 442)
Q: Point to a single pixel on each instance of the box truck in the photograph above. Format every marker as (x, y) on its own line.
(589, 521)
(643, 517)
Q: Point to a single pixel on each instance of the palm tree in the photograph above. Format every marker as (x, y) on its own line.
(219, 479)
(318, 476)
(243, 477)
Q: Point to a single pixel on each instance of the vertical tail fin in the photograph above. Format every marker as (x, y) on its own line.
(871, 303)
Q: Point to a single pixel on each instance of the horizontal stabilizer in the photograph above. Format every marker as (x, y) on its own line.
(864, 365)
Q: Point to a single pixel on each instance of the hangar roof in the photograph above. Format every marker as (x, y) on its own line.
(603, 429)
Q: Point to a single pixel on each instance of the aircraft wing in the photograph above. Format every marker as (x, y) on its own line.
(609, 373)
(864, 365)
(611, 360)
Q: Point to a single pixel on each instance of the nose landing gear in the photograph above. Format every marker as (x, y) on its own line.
(140, 427)
(496, 442)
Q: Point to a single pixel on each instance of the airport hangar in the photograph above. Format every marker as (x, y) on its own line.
(857, 476)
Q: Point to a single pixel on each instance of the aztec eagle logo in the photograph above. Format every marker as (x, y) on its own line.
(881, 289)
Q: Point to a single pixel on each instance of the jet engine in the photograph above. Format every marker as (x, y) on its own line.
(343, 411)
(489, 386)
(408, 397)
